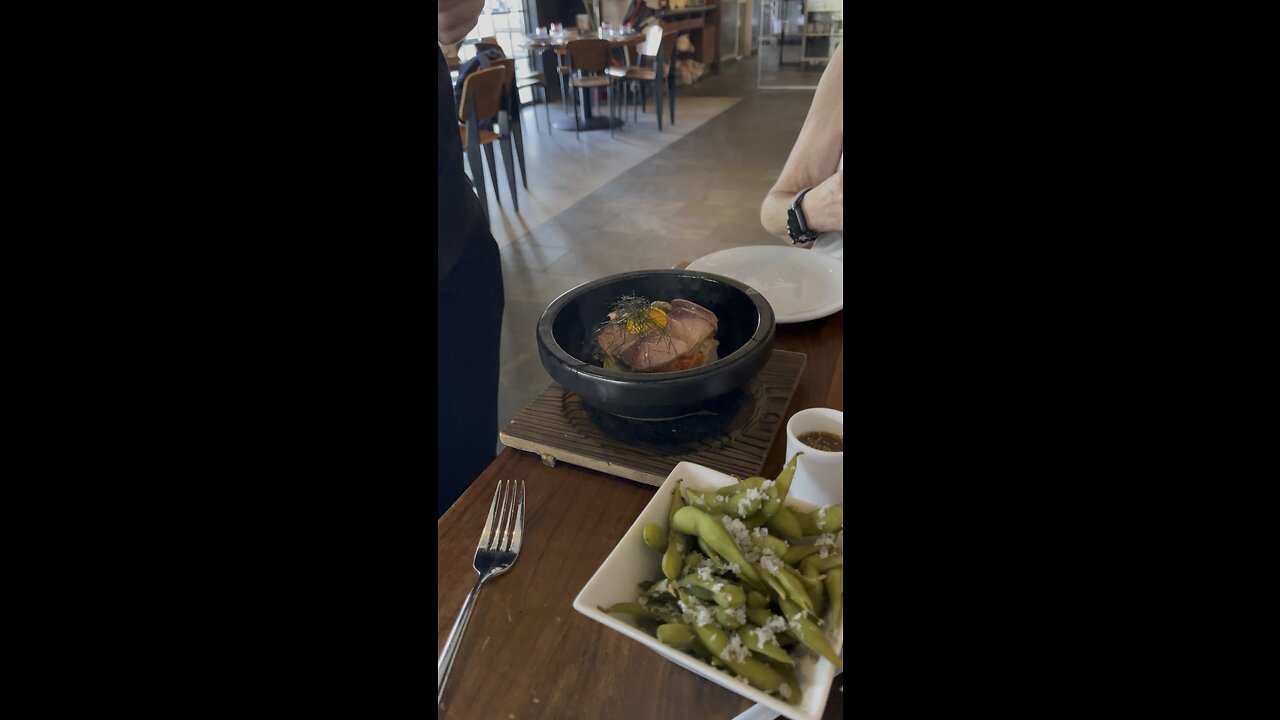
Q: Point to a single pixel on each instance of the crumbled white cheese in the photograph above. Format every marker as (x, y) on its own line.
(744, 508)
(703, 618)
(738, 614)
(794, 623)
(737, 529)
(761, 531)
(785, 691)
(824, 552)
(754, 494)
(717, 587)
(825, 539)
(766, 484)
(767, 633)
(752, 555)
(770, 561)
(822, 519)
(735, 568)
(735, 651)
(705, 574)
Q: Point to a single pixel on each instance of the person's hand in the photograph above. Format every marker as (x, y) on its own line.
(824, 205)
(456, 18)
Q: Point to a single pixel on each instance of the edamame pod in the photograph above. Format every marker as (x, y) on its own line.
(642, 611)
(777, 546)
(812, 580)
(809, 633)
(828, 519)
(725, 594)
(731, 619)
(751, 637)
(681, 636)
(821, 564)
(655, 537)
(796, 592)
(758, 674)
(741, 504)
(835, 590)
(693, 521)
(752, 482)
(757, 599)
(677, 543)
(677, 635)
(784, 524)
(798, 553)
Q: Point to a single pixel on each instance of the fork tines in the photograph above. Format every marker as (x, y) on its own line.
(507, 533)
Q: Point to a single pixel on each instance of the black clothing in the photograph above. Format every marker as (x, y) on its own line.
(468, 315)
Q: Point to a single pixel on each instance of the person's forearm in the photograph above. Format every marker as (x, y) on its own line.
(773, 212)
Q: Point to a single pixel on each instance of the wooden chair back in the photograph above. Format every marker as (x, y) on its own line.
(589, 56)
(483, 89)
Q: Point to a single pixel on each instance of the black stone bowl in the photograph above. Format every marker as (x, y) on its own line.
(566, 344)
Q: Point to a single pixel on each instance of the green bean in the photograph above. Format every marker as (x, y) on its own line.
(750, 636)
(828, 519)
(655, 536)
(693, 521)
(835, 590)
(673, 559)
(755, 672)
(726, 594)
(809, 633)
(784, 524)
(757, 599)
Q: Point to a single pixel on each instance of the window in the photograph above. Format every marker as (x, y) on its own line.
(506, 21)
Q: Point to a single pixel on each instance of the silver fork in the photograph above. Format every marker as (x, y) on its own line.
(499, 546)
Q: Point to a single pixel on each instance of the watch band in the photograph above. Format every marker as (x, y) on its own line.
(797, 224)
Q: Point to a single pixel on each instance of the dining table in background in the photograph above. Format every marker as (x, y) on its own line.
(541, 44)
(527, 652)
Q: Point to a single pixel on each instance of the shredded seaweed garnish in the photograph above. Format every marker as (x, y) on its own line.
(639, 315)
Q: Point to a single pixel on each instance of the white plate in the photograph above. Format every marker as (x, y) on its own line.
(799, 284)
(632, 562)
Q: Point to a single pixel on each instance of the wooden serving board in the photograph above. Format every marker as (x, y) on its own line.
(558, 427)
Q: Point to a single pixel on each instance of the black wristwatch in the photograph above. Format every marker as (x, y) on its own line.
(797, 226)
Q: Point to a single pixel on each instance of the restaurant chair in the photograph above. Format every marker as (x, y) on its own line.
(531, 80)
(482, 100)
(654, 70)
(590, 59)
(510, 126)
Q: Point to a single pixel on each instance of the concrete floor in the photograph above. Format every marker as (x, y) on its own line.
(661, 199)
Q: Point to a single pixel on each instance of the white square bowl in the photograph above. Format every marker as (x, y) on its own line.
(632, 562)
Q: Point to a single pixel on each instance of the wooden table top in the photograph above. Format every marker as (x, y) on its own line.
(527, 653)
